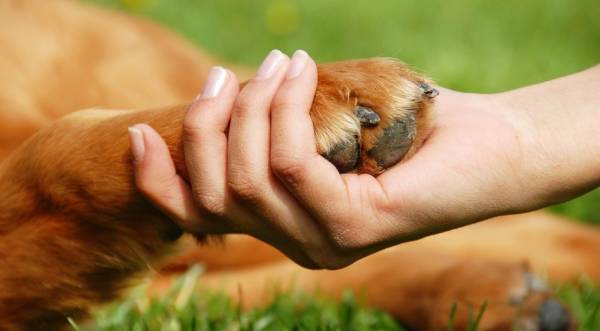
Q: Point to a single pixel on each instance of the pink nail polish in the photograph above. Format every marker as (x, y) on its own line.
(136, 138)
(270, 65)
(215, 82)
(297, 65)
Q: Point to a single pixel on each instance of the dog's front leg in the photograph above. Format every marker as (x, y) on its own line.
(74, 229)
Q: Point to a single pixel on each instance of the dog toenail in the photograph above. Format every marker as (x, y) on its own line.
(535, 283)
(344, 156)
(553, 316)
(429, 91)
(367, 116)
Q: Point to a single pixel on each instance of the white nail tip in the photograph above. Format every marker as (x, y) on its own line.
(270, 65)
(215, 82)
(298, 64)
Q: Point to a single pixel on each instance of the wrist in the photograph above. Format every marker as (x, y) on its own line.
(479, 139)
(556, 124)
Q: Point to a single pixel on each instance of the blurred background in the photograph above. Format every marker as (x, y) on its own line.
(476, 46)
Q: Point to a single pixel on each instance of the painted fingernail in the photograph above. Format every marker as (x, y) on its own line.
(297, 65)
(136, 138)
(215, 82)
(270, 65)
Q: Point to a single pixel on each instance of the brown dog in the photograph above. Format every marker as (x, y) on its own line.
(74, 230)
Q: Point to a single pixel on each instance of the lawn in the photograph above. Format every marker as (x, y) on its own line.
(478, 46)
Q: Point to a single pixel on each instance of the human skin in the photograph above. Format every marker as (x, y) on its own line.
(488, 155)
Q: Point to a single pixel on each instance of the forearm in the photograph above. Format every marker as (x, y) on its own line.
(559, 141)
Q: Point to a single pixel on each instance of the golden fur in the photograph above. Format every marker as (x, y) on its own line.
(74, 230)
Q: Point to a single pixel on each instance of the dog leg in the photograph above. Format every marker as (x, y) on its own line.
(559, 249)
(495, 261)
(416, 285)
(75, 229)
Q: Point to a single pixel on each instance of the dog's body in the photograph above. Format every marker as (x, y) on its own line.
(74, 230)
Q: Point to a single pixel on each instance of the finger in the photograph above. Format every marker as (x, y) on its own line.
(276, 214)
(248, 142)
(157, 179)
(294, 156)
(205, 140)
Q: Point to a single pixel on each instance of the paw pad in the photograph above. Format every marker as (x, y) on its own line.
(370, 114)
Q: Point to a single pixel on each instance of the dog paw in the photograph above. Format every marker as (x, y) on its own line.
(370, 114)
(508, 296)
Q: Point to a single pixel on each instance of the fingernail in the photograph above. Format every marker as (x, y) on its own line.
(270, 65)
(297, 65)
(215, 82)
(136, 138)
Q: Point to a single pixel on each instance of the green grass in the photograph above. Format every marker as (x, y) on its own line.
(182, 309)
(479, 46)
(584, 301)
(469, 45)
(186, 307)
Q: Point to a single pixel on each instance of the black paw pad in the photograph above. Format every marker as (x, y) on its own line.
(553, 316)
(344, 155)
(394, 142)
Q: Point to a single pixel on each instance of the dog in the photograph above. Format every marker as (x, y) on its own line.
(75, 232)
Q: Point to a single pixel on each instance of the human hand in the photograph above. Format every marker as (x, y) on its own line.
(226, 143)
(266, 178)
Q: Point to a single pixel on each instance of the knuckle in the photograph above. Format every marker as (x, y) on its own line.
(243, 103)
(191, 133)
(347, 241)
(211, 204)
(194, 128)
(199, 119)
(339, 245)
(333, 253)
(331, 260)
(196, 113)
(283, 101)
(288, 169)
(245, 189)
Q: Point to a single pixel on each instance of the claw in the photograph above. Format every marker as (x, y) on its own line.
(429, 91)
(367, 116)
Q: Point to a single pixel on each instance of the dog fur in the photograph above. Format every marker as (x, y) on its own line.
(75, 232)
